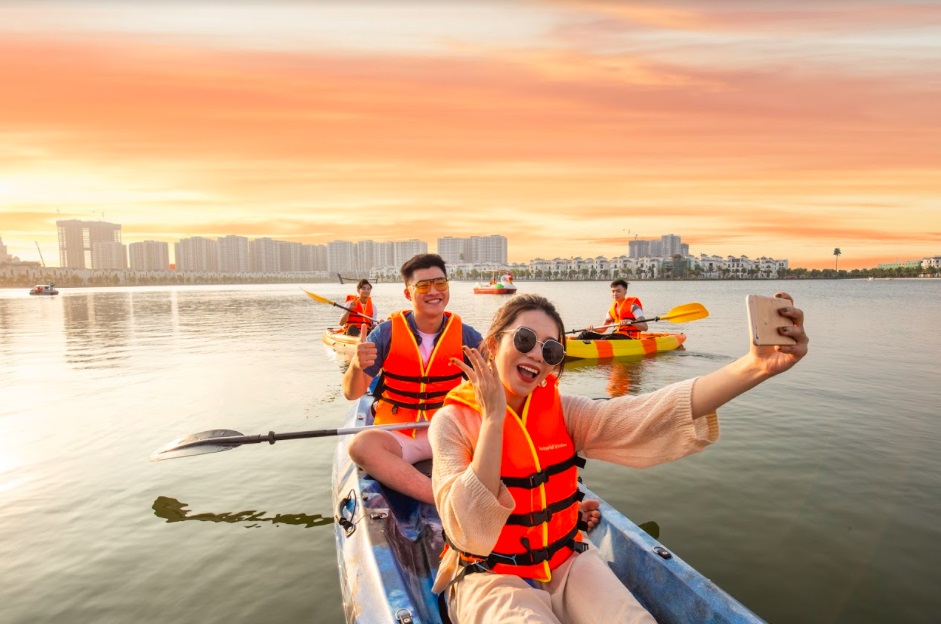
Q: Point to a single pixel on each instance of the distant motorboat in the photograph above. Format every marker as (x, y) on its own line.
(44, 289)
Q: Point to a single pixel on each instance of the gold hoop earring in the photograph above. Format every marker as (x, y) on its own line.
(542, 384)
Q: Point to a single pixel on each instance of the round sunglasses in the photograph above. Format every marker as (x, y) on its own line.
(525, 340)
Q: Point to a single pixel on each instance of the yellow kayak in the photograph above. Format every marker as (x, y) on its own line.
(339, 341)
(600, 349)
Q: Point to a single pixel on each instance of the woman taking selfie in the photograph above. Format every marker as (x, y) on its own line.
(507, 449)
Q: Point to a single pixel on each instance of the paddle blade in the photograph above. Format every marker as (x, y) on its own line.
(196, 444)
(686, 313)
(318, 298)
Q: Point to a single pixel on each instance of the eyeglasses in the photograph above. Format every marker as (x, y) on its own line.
(423, 286)
(524, 339)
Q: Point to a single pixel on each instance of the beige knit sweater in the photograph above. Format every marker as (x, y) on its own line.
(637, 431)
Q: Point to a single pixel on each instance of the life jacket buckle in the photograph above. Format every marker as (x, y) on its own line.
(539, 517)
(539, 556)
(535, 480)
(535, 556)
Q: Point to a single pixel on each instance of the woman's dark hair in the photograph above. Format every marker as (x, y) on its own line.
(363, 282)
(510, 310)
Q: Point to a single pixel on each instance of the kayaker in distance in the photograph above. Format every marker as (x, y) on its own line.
(622, 310)
(507, 446)
(361, 303)
(411, 345)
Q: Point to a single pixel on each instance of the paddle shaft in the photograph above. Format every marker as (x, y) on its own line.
(343, 307)
(271, 437)
(320, 299)
(694, 311)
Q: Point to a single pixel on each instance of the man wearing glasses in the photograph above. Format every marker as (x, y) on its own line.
(413, 351)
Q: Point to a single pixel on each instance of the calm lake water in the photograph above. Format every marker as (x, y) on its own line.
(820, 503)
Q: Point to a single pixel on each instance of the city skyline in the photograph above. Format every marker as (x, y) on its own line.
(785, 131)
(97, 245)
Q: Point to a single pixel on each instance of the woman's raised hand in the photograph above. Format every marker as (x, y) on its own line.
(488, 387)
(777, 359)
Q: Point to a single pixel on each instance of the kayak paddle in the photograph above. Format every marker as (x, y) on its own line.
(320, 299)
(680, 314)
(216, 440)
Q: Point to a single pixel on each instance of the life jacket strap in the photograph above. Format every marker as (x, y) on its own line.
(418, 395)
(422, 406)
(422, 379)
(543, 516)
(533, 557)
(471, 564)
(538, 478)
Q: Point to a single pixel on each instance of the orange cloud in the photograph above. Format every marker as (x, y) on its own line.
(550, 145)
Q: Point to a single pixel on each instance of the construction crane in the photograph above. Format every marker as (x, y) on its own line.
(40, 254)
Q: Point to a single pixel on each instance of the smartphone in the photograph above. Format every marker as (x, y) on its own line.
(764, 320)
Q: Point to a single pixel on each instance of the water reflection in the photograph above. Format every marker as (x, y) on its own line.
(622, 374)
(97, 329)
(173, 510)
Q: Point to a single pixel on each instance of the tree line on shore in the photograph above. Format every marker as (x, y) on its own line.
(69, 279)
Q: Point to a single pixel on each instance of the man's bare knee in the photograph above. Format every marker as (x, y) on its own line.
(368, 445)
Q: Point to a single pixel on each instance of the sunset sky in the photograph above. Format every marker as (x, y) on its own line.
(747, 127)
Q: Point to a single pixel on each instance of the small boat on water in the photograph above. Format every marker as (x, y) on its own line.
(44, 289)
(503, 286)
(494, 289)
(600, 349)
(339, 341)
(388, 547)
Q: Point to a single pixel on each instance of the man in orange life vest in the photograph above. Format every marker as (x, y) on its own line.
(621, 315)
(363, 310)
(413, 351)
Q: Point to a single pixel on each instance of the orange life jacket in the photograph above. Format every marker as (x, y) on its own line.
(624, 312)
(540, 469)
(359, 311)
(410, 390)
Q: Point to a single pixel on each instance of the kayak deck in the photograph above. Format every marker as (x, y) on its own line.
(340, 341)
(388, 548)
(600, 349)
(388, 544)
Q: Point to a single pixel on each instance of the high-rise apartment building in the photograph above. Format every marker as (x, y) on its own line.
(384, 254)
(668, 246)
(290, 256)
(149, 256)
(476, 249)
(264, 255)
(364, 256)
(109, 256)
(638, 248)
(313, 258)
(4, 255)
(404, 250)
(77, 239)
(196, 254)
(233, 254)
(452, 249)
(487, 249)
(340, 257)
